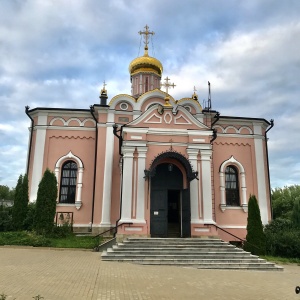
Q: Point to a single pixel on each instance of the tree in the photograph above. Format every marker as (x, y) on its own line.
(283, 201)
(19, 210)
(46, 203)
(255, 239)
(6, 193)
(296, 213)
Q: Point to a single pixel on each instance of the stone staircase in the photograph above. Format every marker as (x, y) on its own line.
(198, 253)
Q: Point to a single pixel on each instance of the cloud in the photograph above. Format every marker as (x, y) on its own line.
(57, 54)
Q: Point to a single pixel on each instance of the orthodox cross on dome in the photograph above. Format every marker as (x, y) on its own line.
(103, 91)
(195, 96)
(167, 84)
(146, 38)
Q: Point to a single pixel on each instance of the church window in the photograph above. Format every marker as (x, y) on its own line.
(68, 182)
(146, 84)
(124, 106)
(188, 108)
(232, 186)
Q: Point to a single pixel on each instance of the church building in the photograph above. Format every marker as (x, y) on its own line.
(155, 166)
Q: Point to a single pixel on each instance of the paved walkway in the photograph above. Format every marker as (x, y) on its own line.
(72, 275)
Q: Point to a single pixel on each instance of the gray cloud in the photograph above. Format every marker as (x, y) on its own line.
(57, 53)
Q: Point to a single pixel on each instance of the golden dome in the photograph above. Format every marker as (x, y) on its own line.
(145, 63)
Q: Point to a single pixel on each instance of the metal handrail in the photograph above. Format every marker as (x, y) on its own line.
(115, 227)
(242, 240)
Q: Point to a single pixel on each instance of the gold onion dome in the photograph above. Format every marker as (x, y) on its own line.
(145, 63)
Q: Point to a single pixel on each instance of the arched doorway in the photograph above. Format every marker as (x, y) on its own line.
(170, 214)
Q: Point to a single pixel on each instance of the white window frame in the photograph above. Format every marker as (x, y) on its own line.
(57, 171)
(241, 181)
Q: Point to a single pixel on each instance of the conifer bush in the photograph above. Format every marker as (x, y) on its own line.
(19, 210)
(255, 239)
(46, 204)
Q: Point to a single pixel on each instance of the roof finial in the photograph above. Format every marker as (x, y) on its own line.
(146, 38)
(103, 90)
(195, 96)
(167, 84)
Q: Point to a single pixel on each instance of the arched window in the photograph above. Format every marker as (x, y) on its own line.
(146, 84)
(232, 186)
(68, 182)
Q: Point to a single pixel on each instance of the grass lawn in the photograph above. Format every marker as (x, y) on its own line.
(28, 238)
(282, 260)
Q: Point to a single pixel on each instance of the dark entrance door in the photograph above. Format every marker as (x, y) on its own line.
(166, 203)
(174, 213)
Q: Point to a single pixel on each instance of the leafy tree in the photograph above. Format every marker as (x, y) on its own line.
(46, 203)
(6, 193)
(296, 213)
(256, 240)
(5, 218)
(283, 201)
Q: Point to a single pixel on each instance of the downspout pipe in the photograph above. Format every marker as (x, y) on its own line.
(92, 110)
(268, 168)
(120, 138)
(31, 135)
(217, 116)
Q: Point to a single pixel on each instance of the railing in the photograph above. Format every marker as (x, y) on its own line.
(242, 240)
(115, 227)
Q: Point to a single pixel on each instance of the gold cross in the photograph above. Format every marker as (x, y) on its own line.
(167, 84)
(195, 89)
(104, 84)
(146, 33)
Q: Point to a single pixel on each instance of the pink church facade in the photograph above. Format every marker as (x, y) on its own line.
(168, 167)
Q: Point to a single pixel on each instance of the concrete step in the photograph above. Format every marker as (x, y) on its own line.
(177, 256)
(182, 253)
(199, 253)
(180, 248)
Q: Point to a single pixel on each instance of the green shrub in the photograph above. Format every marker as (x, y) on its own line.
(255, 239)
(5, 218)
(283, 243)
(28, 222)
(61, 231)
(19, 211)
(46, 204)
(282, 238)
(23, 238)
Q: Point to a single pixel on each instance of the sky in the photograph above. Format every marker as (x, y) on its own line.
(57, 53)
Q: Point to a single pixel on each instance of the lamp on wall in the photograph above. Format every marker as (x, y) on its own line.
(170, 167)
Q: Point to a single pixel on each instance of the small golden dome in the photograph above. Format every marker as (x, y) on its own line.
(145, 63)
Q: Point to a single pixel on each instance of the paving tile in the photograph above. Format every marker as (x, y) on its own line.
(60, 275)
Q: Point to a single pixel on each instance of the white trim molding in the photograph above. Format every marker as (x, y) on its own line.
(242, 184)
(57, 171)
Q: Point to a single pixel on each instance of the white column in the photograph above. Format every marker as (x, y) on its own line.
(140, 212)
(194, 187)
(38, 155)
(78, 201)
(260, 174)
(127, 184)
(107, 181)
(222, 191)
(141, 84)
(206, 186)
